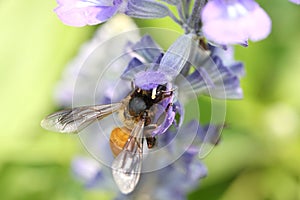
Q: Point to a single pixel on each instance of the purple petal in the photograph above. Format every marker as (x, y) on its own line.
(295, 1)
(133, 67)
(168, 121)
(229, 88)
(224, 72)
(148, 80)
(238, 69)
(234, 22)
(147, 48)
(80, 13)
(144, 51)
(104, 14)
(200, 79)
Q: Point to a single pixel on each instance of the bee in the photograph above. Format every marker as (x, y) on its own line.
(137, 112)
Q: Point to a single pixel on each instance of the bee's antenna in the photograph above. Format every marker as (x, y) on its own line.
(172, 90)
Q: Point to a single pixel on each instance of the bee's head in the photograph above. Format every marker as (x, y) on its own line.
(137, 105)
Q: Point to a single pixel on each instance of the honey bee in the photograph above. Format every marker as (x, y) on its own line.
(137, 112)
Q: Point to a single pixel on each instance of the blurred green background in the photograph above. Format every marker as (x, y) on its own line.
(258, 158)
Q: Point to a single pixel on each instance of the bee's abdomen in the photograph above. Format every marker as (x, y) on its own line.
(118, 139)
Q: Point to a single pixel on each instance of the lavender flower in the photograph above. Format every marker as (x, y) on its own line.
(149, 67)
(224, 75)
(91, 12)
(234, 21)
(217, 77)
(179, 74)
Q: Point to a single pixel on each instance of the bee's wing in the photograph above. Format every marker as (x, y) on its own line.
(126, 167)
(73, 120)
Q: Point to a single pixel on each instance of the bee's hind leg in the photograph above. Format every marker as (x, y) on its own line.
(151, 141)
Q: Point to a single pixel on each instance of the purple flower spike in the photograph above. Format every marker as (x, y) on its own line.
(86, 12)
(295, 1)
(234, 21)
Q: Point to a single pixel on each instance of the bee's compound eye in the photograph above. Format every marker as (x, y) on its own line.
(161, 88)
(118, 139)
